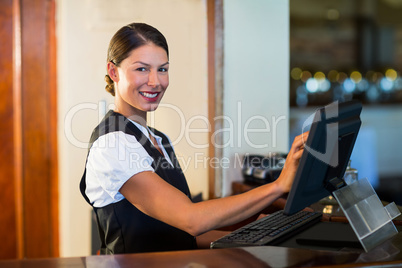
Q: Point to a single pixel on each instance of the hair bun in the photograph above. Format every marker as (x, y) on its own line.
(110, 85)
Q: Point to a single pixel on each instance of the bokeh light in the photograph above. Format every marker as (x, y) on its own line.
(386, 84)
(301, 96)
(305, 75)
(356, 76)
(373, 86)
(332, 75)
(324, 85)
(312, 85)
(319, 76)
(296, 73)
(349, 85)
(363, 85)
(391, 74)
(372, 94)
(341, 77)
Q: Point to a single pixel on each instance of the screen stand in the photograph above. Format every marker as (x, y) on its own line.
(335, 184)
(370, 220)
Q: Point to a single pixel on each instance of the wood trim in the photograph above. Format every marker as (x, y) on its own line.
(17, 119)
(52, 130)
(215, 90)
(211, 91)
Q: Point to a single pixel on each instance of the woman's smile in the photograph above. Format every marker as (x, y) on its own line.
(150, 96)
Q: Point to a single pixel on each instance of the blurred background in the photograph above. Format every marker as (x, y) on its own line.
(342, 50)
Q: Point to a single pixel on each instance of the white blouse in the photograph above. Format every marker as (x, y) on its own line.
(113, 159)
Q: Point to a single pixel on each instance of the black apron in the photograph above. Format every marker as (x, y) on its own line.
(122, 227)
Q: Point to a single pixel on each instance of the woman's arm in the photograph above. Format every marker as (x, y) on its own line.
(158, 199)
(204, 240)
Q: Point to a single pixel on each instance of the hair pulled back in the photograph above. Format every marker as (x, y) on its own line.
(127, 39)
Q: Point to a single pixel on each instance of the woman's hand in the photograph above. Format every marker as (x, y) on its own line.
(288, 173)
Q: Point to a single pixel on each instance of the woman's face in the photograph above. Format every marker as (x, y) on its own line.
(142, 79)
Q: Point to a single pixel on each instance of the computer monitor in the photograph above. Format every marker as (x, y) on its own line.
(330, 142)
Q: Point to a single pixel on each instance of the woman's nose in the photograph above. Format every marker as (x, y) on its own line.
(153, 80)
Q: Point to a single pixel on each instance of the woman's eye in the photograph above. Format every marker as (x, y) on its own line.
(141, 69)
(163, 70)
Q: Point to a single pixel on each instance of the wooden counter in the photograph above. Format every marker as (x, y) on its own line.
(268, 256)
(286, 255)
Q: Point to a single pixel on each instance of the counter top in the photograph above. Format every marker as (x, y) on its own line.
(268, 256)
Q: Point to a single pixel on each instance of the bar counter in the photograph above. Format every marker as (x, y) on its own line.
(386, 255)
(286, 254)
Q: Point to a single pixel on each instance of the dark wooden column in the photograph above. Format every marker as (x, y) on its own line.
(29, 129)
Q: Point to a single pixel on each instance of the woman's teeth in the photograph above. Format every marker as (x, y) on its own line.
(149, 95)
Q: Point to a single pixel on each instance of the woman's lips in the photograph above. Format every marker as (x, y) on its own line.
(150, 96)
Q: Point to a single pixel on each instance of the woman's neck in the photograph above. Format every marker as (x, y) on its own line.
(133, 114)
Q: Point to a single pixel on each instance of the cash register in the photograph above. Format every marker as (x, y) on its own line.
(327, 151)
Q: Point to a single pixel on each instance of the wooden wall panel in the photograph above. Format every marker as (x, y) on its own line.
(28, 128)
(36, 158)
(8, 216)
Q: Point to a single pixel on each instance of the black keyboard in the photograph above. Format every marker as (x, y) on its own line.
(270, 230)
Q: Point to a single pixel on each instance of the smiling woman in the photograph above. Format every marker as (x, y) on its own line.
(132, 177)
(137, 67)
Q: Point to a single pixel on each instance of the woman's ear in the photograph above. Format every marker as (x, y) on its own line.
(112, 71)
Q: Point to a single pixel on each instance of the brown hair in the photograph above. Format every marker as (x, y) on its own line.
(126, 40)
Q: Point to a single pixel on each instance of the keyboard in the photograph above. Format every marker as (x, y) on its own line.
(270, 230)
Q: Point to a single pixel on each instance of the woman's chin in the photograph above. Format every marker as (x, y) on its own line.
(152, 107)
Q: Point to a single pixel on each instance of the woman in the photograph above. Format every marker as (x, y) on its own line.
(132, 177)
